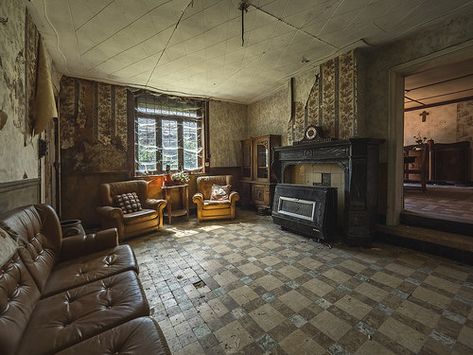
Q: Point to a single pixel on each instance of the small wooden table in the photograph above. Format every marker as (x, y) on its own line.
(183, 190)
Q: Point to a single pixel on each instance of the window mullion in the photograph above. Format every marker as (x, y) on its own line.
(180, 143)
(159, 145)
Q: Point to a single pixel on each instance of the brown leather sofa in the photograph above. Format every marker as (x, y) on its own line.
(77, 295)
(208, 209)
(150, 218)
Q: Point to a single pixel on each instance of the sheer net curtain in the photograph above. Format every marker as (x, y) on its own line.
(168, 131)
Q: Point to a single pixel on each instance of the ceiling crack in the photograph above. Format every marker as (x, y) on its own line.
(191, 3)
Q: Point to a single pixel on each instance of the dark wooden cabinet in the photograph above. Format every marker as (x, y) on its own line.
(450, 163)
(258, 180)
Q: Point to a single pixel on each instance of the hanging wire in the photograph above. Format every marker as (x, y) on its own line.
(243, 8)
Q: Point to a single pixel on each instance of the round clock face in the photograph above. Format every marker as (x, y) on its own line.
(311, 132)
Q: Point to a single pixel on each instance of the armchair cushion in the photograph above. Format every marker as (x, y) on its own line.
(211, 204)
(219, 192)
(128, 202)
(91, 267)
(140, 216)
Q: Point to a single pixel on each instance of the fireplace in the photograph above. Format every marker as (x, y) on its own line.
(358, 160)
(307, 210)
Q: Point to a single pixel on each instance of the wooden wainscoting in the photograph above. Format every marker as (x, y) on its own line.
(19, 193)
(80, 194)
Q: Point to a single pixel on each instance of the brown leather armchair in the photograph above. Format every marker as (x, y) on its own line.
(130, 224)
(208, 209)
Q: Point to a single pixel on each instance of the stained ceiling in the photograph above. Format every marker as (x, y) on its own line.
(195, 46)
(442, 84)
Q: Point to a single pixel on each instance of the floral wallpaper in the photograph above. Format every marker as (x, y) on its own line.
(270, 115)
(93, 126)
(325, 96)
(226, 128)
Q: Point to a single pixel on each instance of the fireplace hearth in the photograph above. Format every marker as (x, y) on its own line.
(359, 159)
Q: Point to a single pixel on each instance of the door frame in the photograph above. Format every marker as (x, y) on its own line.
(395, 142)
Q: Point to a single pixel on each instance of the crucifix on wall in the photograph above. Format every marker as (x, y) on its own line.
(424, 115)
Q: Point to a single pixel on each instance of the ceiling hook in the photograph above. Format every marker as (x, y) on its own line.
(243, 7)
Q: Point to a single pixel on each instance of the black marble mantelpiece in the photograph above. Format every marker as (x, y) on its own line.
(359, 158)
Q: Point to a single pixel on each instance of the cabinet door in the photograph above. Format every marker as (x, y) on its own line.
(260, 195)
(246, 169)
(261, 151)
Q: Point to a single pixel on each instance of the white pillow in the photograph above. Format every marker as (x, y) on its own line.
(8, 247)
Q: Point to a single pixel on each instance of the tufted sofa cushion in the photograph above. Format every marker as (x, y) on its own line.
(139, 336)
(56, 293)
(39, 233)
(18, 296)
(96, 266)
(72, 316)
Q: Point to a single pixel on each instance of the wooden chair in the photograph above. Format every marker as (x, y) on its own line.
(416, 162)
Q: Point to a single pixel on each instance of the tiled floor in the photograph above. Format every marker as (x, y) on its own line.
(270, 291)
(447, 202)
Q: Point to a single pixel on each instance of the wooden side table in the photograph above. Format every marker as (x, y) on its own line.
(183, 191)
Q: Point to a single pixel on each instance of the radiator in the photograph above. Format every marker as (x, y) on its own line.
(307, 210)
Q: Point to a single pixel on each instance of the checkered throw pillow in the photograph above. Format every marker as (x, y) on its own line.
(128, 202)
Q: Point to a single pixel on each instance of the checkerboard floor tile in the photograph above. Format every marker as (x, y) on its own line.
(247, 287)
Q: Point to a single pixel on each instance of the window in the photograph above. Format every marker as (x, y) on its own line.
(168, 131)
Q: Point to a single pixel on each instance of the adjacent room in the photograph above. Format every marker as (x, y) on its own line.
(236, 177)
(438, 133)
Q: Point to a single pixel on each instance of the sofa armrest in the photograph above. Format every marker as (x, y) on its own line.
(198, 199)
(78, 245)
(155, 204)
(234, 197)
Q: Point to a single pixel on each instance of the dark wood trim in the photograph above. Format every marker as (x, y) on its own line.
(206, 128)
(131, 133)
(425, 221)
(14, 185)
(87, 173)
(441, 103)
(431, 248)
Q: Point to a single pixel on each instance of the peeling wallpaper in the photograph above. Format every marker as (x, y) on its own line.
(227, 126)
(94, 127)
(325, 96)
(18, 159)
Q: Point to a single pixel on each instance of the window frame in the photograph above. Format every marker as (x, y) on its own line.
(202, 138)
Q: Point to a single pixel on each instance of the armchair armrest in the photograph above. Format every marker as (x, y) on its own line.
(198, 199)
(109, 212)
(78, 245)
(158, 205)
(234, 197)
(155, 204)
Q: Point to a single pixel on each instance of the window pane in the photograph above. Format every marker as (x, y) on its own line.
(191, 145)
(170, 144)
(146, 139)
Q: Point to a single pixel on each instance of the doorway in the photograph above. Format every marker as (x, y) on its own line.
(438, 137)
(398, 76)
